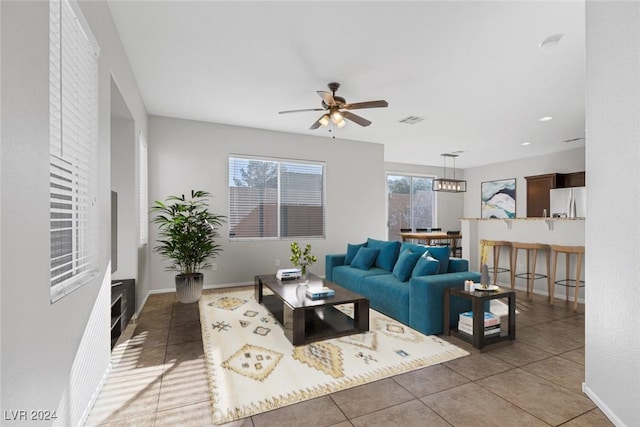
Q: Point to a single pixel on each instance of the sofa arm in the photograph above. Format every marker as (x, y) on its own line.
(332, 260)
(457, 265)
(426, 300)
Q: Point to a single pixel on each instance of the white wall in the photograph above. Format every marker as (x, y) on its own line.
(186, 155)
(40, 340)
(562, 162)
(123, 181)
(449, 206)
(613, 231)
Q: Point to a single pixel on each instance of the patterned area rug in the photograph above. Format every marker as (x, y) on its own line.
(253, 368)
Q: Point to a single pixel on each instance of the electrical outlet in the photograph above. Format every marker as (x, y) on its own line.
(277, 262)
(214, 267)
(520, 268)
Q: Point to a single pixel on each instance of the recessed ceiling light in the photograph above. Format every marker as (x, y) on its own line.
(545, 118)
(550, 41)
(526, 143)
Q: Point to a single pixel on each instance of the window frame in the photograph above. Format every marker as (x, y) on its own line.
(279, 161)
(409, 175)
(73, 150)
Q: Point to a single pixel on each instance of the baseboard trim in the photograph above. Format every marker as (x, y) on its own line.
(539, 292)
(602, 406)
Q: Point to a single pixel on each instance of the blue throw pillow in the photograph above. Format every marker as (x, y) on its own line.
(426, 266)
(404, 266)
(388, 253)
(415, 248)
(365, 258)
(352, 250)
(441, 253)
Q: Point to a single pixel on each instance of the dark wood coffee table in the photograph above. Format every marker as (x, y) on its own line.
(305, 320)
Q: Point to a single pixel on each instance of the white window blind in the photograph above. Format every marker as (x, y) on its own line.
(144, 191)
(275, 198)
(73, 98)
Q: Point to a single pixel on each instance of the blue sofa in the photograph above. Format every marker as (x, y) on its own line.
(404, 281)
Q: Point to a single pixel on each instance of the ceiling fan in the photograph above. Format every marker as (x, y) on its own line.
(337, 109)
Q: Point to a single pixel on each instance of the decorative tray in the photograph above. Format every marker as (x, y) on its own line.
(487, 288)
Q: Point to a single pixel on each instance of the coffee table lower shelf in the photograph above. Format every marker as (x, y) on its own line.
(319, 322)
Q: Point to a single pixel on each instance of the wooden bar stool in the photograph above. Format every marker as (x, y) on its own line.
(497, 245)
(532, 256)
(567, 283)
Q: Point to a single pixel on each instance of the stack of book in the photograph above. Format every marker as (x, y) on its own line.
(320, 293)
(491, 324)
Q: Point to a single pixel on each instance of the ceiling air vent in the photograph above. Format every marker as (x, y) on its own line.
(568, 141)
(411, 120)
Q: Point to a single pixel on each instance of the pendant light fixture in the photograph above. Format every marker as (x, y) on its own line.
(450, 185)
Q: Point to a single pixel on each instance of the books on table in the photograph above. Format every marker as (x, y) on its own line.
(491, 323)
(319, 293)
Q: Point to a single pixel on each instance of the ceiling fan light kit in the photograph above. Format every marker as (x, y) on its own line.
(336, 109)
(449, 185)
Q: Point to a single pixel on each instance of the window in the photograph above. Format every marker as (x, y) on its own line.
(271, 198)
(411, 203)
(73, 165)
(144, 191)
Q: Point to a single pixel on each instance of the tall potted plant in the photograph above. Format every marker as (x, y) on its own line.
(187, 232)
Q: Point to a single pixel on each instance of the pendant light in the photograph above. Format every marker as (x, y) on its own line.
(450, 185)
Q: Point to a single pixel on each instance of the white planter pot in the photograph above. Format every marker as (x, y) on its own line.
(189, 287)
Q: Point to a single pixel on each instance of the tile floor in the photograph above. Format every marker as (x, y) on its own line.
(159, 379)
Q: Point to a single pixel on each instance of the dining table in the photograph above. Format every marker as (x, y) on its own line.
(432, 237)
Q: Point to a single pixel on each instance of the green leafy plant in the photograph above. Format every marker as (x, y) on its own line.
(302, 259)
(187, 232)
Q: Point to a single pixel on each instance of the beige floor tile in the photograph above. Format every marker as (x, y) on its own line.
(559, 371)
(370, 397)
(563, 329)
(470, 405)
(478, 366)
(315, 412)
(185, 333)
(432, 379)
(147, 420)
(517, 353)
(547, 341)
(541, 398)
(197, 415)
(184, 383)
(576, 355)
(136, 357)
(409, 414)
(150, 337)
(593, 418)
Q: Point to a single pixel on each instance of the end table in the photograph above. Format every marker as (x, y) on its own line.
(478, 299)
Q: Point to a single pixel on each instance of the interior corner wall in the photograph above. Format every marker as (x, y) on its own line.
(186, 155)
(562, 162)
(449, 206)
(123, 181)
(40, 341)
(612, 365)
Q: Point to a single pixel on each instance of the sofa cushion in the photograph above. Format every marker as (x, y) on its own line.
(352, 250)
(365, 258)
(388, 295)
(353, 278)
(404, 266)
(426, 266)
(441, 253)
(388, 253)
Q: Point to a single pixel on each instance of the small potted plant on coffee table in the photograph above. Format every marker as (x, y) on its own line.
(302, 259)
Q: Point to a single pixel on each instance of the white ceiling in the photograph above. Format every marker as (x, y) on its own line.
(472, 69)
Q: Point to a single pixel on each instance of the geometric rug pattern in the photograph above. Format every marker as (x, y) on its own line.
(253, 368)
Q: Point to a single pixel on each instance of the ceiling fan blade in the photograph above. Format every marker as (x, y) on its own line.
(369, 104)
(355, 118)
(298, 111)
(316, 124)
(327, 97)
